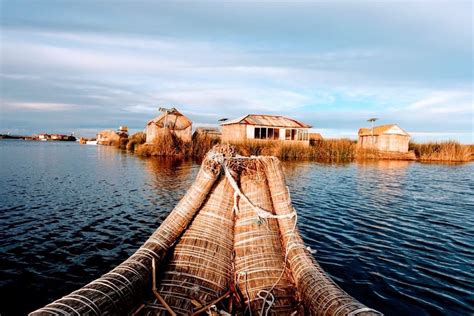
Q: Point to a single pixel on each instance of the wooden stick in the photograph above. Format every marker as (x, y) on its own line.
(138, 310)
(155, 291)
(214, 302)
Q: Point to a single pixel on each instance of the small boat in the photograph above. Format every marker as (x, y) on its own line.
(230, 247)
(91, 142)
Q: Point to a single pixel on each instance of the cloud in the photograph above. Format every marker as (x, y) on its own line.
(38, 106)
(405, 63)
(445, 102)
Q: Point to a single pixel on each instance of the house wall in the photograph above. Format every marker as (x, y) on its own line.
(152, 132)
(242, 132)
(385, 142)
(234, 133)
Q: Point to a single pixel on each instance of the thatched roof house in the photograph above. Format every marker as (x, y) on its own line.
(265, 127)
(314, 138)
(208, 132)
(108, 137)
(169, 121)
(384, 138)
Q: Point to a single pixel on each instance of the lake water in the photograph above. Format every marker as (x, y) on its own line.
(398, 236)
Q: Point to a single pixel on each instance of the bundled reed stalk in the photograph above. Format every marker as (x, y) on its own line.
(259, 255)
(217, 251)
(119, 290)
(200, 269)
(321, 296)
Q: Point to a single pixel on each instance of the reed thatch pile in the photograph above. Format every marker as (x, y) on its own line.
(230, 247)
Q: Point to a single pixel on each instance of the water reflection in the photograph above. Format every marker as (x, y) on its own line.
(396, 235)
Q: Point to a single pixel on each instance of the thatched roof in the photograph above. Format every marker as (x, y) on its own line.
(207, 131)
(383, 129)
(174, 120)
(267, 120)
(315, 136)
(107, 132)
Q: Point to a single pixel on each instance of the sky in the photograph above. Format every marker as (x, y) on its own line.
(84, 66)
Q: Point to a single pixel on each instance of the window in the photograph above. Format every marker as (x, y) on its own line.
(257, 133)
(266, 133)
(276, 133)
(270, 133)
(288, 134)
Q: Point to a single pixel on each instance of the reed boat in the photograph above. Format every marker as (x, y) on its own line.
(230, 247)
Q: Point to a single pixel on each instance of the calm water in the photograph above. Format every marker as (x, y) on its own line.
(396, 235)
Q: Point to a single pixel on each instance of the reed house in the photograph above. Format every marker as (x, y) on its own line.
(170, 120)
(384, 138)
(265, 127)
(210, 132)
(108, 137)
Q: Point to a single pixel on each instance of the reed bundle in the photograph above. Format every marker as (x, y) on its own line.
(120, 289)
(259, 254)
(230, 246)
(200, 268)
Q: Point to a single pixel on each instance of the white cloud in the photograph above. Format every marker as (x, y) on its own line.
(445, 102)
(38, 106)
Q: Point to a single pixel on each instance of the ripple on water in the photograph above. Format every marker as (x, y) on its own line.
(396, 236)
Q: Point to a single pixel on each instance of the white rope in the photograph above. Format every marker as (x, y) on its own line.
(261, 213)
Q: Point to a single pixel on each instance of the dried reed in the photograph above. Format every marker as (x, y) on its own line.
(259, 255)
(120, 289)
(200, 267)
(320, 295)
(135, 140)
(262, 257)
(449, 151)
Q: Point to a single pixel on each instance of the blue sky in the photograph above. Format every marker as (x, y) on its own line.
(83, 66)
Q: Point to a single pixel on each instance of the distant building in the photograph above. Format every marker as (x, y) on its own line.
(314, 138)
(44, 137)
(384, 138)
(169, 121)
(110, 137)
(265, 127)
(123, 131)
(207, 131)
(62, 137)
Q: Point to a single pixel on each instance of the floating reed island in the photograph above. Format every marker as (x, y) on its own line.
(230, 247)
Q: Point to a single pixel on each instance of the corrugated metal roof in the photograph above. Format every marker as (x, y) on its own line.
(267, 120)
(378, 130)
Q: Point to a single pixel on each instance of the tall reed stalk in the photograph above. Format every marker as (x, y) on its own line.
(450, 151)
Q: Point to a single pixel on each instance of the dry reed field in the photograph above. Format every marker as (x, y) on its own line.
(449, 151)
(135, 140)
(331, 150)
(327, 150)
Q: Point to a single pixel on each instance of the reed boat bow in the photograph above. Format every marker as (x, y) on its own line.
(230, 247)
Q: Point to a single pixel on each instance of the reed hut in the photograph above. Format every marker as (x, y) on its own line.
(384, 138)
(315, 138)
(108, 137)
(265, 127)
(169, 121)
(210, 132)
